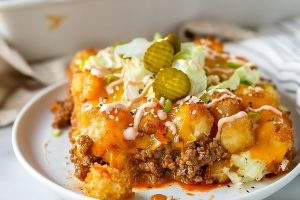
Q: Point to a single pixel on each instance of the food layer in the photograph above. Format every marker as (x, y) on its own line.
(151, 111)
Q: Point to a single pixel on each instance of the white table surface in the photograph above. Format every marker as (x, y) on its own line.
(17, 184)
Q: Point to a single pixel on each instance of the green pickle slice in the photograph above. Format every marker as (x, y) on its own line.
(159, 55)
(171, 83)
(174, 41)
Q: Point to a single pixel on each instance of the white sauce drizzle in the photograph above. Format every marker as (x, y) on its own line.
(162, 115)
(96, 72)
(133, 83)
(143, 94)
(231, 118)
(145, 80)
(188, 98)
(162, 101)
(109, 87)
(224, 91)
(140, 112)
(224, 96)
(183, 100)
(171, 126)
(267, 107)
(130, 133)
(110, 106)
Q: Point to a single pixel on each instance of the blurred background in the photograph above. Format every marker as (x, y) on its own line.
(38, 38)
(41, 29)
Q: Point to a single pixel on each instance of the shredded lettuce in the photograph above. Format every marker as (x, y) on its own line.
(151, 93)
(113, 57)
(135, 48)
(106, 58)
(242, 74)
(232, 83)
(134, 71)
(247, 168)
(157, 36)
(245, 73)
(190, 60)
(189, 50)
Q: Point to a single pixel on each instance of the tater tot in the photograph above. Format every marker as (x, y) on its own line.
(237, 136)
(193, 121)
(107, 183)
(225, 108)
(215, 171)
(256, 97)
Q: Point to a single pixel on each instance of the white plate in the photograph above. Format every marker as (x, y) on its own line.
(31, 133)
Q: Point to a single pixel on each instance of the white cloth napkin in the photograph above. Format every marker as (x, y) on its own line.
(19, 80)
(276, 50)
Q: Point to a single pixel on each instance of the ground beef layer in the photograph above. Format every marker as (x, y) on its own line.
(62, 111)
(188, 166)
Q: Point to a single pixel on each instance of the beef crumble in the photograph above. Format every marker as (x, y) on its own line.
(82, 163)
(187, 166)
(62, 111)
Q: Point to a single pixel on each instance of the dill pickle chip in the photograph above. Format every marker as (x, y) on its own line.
(174, 41)
(171, 83)
(158, 56)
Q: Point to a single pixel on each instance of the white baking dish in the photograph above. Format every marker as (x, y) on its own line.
(26, 24)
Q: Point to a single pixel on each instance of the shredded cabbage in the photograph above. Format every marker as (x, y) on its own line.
(135, 48)
(157, 36)
(247, 74)
(134, 71)
(248, 169)
(190, 60)
(243, 73)
(106, 58)
(113, 57)
(232, 83)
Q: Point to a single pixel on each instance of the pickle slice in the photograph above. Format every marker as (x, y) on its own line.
(174, 41)
(171, 83)
(158, 56)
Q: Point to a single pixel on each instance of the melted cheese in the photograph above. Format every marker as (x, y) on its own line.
(229, 119)
(271, 143)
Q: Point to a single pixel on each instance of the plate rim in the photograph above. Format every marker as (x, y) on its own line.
(64, 192)
(24, 163)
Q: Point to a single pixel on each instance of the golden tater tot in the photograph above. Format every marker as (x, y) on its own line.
(237, 136)
(86, 87)
(256, 97)
(106, 183)
(215, 171)
(77, 60)
(273, 140)
(193, 121)
(225, 108)
(150, 122)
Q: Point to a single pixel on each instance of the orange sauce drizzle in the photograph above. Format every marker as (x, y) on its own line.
(187, 187)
